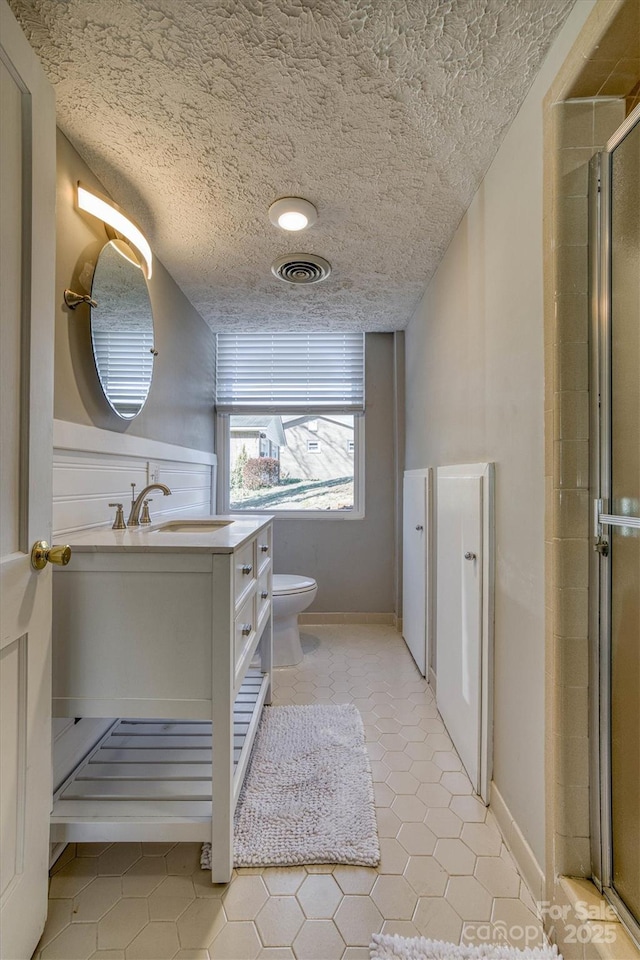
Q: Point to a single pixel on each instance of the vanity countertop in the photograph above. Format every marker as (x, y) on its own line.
(153, 540)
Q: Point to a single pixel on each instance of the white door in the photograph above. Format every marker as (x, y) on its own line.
(459, 614)
(27, 247)
(415, 559)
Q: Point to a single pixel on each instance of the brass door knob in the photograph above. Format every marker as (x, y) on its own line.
(42, 554)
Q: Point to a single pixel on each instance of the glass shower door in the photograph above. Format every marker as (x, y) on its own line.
(625, 501)
(617, 521)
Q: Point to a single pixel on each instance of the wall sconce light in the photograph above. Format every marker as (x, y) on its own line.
(103, 209)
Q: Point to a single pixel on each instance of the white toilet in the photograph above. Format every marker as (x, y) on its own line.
(291, 595)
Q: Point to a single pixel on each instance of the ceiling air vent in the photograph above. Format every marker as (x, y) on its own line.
(301, 268)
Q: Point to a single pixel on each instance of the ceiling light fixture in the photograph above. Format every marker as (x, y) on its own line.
(292, 213)
(107, 211)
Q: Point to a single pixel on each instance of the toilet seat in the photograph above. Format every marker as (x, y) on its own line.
(285, 584)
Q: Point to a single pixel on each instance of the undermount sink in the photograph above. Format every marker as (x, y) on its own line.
(192, 526)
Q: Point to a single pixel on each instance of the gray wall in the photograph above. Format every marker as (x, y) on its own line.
(475, 392)
(180, 405)
(353, 560)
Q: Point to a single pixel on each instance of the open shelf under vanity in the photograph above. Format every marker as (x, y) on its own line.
(151, 779)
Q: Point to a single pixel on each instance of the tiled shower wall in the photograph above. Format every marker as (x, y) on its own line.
(580, 129)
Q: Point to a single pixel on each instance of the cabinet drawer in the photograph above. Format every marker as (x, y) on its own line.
(245, 628)
(245, 568)
(263, 594)
(264, 545)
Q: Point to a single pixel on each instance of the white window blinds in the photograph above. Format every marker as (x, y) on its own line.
(125, 366)
(290, 372)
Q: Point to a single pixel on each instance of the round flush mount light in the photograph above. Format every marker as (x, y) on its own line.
(292, 213)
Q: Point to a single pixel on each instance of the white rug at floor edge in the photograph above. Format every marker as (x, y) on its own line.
(307, 796)
(386, 947)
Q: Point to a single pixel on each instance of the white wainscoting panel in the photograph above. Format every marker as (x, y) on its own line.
(464, 614)
(92, 468)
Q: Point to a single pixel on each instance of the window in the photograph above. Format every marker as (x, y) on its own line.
(300, 474)
(284, 387)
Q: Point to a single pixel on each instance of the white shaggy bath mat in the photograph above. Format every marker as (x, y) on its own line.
(307, 796)
(385, 947)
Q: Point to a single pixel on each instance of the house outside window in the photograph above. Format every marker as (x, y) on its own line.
(284, 461)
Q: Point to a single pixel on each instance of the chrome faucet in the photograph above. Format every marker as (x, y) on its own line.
(136, 502)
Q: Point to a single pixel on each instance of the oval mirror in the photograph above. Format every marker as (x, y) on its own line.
(122, 329)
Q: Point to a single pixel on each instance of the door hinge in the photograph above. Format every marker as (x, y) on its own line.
(601, 546)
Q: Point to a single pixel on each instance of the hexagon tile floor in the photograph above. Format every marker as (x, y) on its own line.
(445, 872)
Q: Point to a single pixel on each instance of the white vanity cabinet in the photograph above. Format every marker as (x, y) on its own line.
(170, 633)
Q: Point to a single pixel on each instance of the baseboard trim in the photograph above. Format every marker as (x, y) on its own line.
(319, 618)
(529, 868)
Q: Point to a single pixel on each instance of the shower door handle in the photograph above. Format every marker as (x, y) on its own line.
(601, 519)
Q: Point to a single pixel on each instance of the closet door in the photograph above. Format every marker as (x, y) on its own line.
(27, 237)
(464, 615)
(415, 565)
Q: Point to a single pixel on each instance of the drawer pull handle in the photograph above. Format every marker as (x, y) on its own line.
(264, 547)
(246, 629)
(247, 568)
(265, 595)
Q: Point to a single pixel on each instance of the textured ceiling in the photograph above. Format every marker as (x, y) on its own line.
(197, 114)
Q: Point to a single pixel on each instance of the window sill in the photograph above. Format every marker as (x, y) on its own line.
(300, 514)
